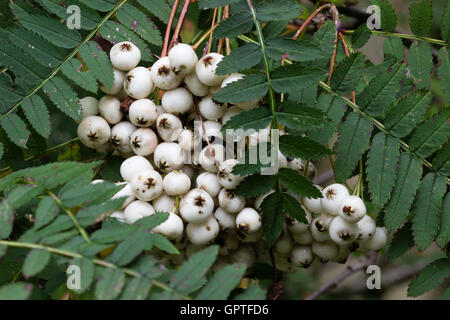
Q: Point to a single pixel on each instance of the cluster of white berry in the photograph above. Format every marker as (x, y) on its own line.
(156, 141)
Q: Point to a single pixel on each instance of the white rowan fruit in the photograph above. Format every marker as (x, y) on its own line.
(93, 131)
(343, 253)
(168, 156)
(227, 179)
(118, 215)
(211, 156)
(259, 199)
(176, 182)
(250, 237)
(169, 127)
(248, 220)
(147, 185)
(178, 100)
(88, 107)
(105, 148)
(172, 228)
(283, 246)
(304, 238)
(138, 83)
(143, 113)
(165, 203)
(196, 206)
(332, 197)
(132, 166)
(262, 135)
(342, 232)
(376, 243)
(160, 110)
(226, 220)
(228, 242)
(203, 232)
(319, 228)
(120, 136)
(186, 140)
(137, 210)
(302, 256)
(352, 209)
(296, 164)
(143, 141)
(312, 204)
(212, 130)
(246, 105)
(195, 86)
(206, 69)
(211, 109)
(109, 109)
(231, 112)
(245, 254)
(119, 78)
(163, 75)
(125, 56)
(366, 227)
(295, 226)
(326, 251)
(183, 58)
(127, 192)
(230, 201)
(209, 182)
(284, 264)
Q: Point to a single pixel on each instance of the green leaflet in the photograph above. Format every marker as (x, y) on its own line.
(295, 50)
(15, 129)
(100, 5)
(401, 242)
(159, 8)
(162, 243)
(445, 24)
(381, 164)
(389, 18)
(407, 182)
(299, 117)
(250, 87)
(302, 147)
(353, 141)
(87, 270)
(444, 229)
(254, 292)
(361, 36)
(272, 217)
(293, 208)
(431, 135)
(402, 118)
(255, 119)
(426, 209)
(242, 58)
(6, 219)
(394, 47)
(278, 10)
(444, 69)
(208, 4)
(16, 291)
(136, 289)
(63, 96)
(222, 282)
(109, 284)
(430, 277)
(325, 37)
(92, 214)
(255, 185)
(35, 262)
(420, 63)
(442, 160)
(37, 114)
(420, 17)
(295, 77)
(23, 193)
(235, 25)
(98, 63)
(73, 69)
(128, 249)
(298, 184)
(273, 29)
(348, 73)
(91, 193)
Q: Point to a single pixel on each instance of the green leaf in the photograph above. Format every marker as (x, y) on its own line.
(442, 160)
(273, 29)
(48, 28)
(407, 182)
(431, 135)
(37, 114)
(128, 250)
(361, 36)
(255, 185)
(394, 47)
(295, 77)
(159, 8)
(254, 292)
(420, 17)
(387, 15)
(430, 277)
(402, 118)
(87, 272)
(278, 10)
(148, 223)
(297, 116)
(89, 193)
(444, 69)
(381, 163)
(163, 243)
(15, 129)
(250, 87)
(114, 234)
(63, 96)
(23, 194)
(6, 219)
(381, 91)
(293, 208)
(98, 62)
(272, 216)
(46, 211)
(353, 141)
(96, 213)
(139, 23)
(235, 25)
(298, 184)
(445, 23)
(420, 63)
(444, 229)
(445, 295)
(222, 282)
(16, 291)
(348, 73)
(208, 4)
(136, 289)
(191, 273)
(109, 284)
(252, 161)
(325, 37)
(426, 208)
(72, 69)
(3, 250)
(35, 262)
(245, 57)
(296, 50)
(401, 242)
(302, 147)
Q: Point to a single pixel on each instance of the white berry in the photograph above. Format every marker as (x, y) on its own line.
(343, 232)
(119, 78)
(366, 227)
(163, 75)
(168, 156)
(195, 86)
(143, 141)
(183, 58)
(138, 83)
(93, 131)
(120, 136)
(352, 209)
(227, 179)
(109, 109)
(125, 56)
(248, 220)
(196, 206)
(211, 109)
(137, 210)
(88, 106)
(302, 256)
(176, 182)
(147, 185)
(169, 127)
(172, 228)
(132, 166)
(203, 232)
(332, 197)
(143, 113)
(164, 203)
(206, 69)
(230, 201)
(178, 100)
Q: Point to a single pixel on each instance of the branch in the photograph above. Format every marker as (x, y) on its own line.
(169, 26)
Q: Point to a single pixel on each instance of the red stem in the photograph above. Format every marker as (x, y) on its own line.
(307, 21)
(180, 23)
(169, 26)
(347, 53)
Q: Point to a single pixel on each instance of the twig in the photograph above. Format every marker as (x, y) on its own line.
(212, 32)
(277, 286)
(169, 26)
(344, 275)
(337, 24)
(195, 46)
(307, 21)
(176, 33)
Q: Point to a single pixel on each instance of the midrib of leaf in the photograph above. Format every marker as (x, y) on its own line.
(70, 56)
